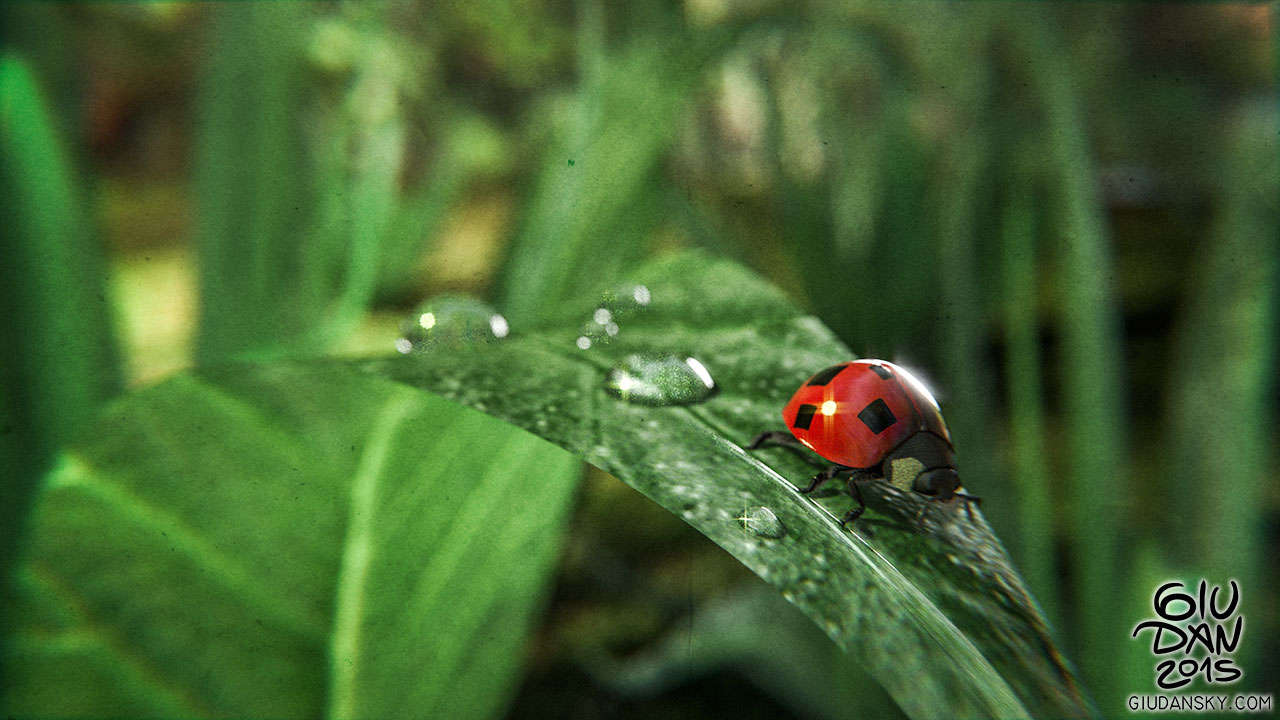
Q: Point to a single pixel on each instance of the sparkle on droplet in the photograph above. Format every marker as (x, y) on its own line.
(499, 326)
(763, 522)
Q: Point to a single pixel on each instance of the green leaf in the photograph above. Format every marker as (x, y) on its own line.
(285, 542)
(60, 360)
(263, 280)
(618, 128)
(1093, 429)
(933, 610)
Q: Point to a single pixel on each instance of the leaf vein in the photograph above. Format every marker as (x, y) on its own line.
(353, 574)
(146, 678)
(78, 475)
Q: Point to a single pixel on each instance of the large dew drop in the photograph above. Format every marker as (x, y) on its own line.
(450, 321)
(651, 379)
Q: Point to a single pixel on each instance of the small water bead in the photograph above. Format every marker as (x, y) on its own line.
(594, 332)
(614, 305)
(763, 522)
(626, 300)
(450, 321)
(660, 380)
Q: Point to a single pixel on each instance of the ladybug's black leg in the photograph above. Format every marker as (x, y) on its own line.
(827, 473)
(857, 476)
(783, 439)
(770, 438)
(856, 493)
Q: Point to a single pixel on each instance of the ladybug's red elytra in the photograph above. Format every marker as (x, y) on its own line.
(872, 419)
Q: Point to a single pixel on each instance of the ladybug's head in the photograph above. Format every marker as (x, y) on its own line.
(938, 483)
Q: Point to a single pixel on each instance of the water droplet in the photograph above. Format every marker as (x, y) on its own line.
(450, 321)
(650, 379)
(615, 305)
(593, 332)
(624, 301)
(762, 521)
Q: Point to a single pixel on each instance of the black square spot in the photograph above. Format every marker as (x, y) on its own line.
(804, 417)
(827, 375)
(877, 416)
(882, 371)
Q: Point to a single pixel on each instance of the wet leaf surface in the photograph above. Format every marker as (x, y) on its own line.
(932, 608)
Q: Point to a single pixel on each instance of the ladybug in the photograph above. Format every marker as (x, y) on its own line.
(873, 419)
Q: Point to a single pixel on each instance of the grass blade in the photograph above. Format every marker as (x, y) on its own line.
(253, 176)
(1027, 439)
(60, 360)
(1089, 328)
(606, 161)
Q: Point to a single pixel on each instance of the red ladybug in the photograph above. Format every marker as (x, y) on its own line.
(872, 419)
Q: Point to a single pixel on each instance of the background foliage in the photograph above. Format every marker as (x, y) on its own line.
(1064, 215)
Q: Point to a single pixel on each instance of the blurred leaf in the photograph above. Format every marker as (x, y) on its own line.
(1022, 377)
(934, 612)
(1091, 342)
(278, 542)
(595, 200)
(60, 358)
(417, 218)
(1223, 376)
(370, 150)
(263, 281)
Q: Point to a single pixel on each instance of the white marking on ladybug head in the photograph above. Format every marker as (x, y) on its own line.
(902, 473)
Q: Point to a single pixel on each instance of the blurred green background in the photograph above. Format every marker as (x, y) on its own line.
(1063, 215)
